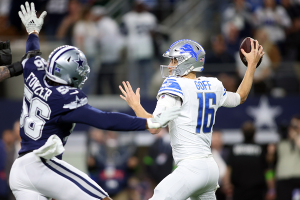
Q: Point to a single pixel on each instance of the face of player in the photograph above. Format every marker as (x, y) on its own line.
(173, 63)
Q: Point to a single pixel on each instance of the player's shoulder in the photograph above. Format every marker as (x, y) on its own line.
(36, 63)
(68, 97)
(172, 86)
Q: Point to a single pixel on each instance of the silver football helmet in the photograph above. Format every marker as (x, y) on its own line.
(190, 56)
(68, 65)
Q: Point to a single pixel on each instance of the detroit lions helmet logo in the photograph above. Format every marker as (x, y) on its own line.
(187, 48)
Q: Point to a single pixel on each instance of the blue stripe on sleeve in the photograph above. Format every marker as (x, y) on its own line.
(32, 43)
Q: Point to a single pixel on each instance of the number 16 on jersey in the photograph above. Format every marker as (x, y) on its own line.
(205, 111)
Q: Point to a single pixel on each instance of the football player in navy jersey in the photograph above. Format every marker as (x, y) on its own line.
(52, 103)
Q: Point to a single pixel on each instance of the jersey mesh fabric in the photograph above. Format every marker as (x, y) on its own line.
(191, 131)
(39, 119)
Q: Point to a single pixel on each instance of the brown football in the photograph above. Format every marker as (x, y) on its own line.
(246, 45)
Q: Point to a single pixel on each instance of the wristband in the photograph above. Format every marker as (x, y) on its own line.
(152, 123)
(15, 69)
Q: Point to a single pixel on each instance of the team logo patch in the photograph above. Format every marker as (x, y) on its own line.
(57, 69)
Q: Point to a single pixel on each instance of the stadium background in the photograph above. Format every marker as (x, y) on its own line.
(127, 164)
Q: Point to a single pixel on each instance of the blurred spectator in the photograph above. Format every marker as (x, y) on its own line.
(160, 159)
(293, 33)
(275, 20)
(110, 164)
(219, 53)
(111, 42)
(271, 49)
(288, 162)
(261, 75)
(9, 142)
(3, 178)
(65, 30)
(246, 165)
(217, 151)
(86, 39)
(138, 190)
(138, 25)
(239, 15)
(56, 11)
(232, 38)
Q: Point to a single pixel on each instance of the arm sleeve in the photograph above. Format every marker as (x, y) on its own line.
(103, 120)
(166, 101)
(233, 100)
(32, 43)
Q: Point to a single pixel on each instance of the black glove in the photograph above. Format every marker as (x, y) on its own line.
(5, 53)
(31, 54)
(15, 69)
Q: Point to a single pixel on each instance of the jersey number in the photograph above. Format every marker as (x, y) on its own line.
(207, 111)
(33, 118)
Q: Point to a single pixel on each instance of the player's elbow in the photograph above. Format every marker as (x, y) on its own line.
(243, 97)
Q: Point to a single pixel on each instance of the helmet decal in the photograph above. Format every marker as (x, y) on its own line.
(187, 48)
(80, 63)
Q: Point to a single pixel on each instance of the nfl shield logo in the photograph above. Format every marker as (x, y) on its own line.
(57, 69)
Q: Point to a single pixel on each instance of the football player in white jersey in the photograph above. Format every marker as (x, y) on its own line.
(196, 175)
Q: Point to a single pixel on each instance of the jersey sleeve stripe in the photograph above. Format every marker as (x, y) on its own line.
(170, 90)
(77, 179)
(24, 62)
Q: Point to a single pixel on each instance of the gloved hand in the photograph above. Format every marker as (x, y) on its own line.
(30, 20)
(5, 53)
(163, 119)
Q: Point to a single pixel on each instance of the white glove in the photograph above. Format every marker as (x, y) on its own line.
(30, 20)
(164, 118)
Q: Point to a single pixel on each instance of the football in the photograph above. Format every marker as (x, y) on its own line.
(246, 45)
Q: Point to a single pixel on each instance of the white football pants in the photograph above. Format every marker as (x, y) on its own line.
(32, 178)
(193, 179)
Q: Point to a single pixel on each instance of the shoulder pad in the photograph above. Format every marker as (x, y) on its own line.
(171, 86)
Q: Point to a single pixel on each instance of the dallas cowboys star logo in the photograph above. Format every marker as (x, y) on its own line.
(79, 62)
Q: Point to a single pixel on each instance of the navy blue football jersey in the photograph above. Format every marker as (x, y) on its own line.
(49, 110)
(43, 105)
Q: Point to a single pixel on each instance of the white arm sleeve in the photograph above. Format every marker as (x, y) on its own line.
(166, 101)
(233, 100)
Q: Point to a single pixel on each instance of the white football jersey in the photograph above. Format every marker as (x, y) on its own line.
(191, 132)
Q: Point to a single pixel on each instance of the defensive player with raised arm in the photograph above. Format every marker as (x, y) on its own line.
(196, 175)
(52, 103)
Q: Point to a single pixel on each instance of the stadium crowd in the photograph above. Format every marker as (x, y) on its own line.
(132, 42)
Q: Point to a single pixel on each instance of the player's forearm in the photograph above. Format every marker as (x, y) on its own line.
(246, 84)
(141, 112)
(4, 73)
(32, 42)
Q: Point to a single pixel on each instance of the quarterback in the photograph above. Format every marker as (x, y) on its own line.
(196, 175)
(52, 104)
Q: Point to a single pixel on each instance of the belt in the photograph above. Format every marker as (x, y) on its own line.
(24, 153)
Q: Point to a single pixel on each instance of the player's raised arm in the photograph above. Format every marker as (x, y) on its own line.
(252, 58)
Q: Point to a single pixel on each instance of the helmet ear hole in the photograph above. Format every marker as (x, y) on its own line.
(69, 59)
(75, 79)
